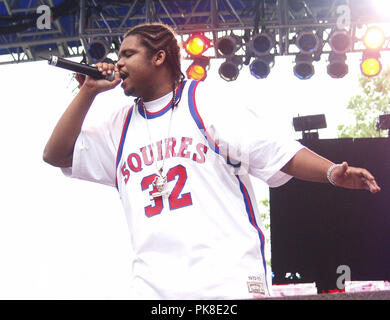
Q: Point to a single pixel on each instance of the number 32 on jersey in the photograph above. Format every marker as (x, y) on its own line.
(176, 200)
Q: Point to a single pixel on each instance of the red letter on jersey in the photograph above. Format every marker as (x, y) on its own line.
(125, 172)
(145, 157)
(170, 144)
(137, 158)
(202, 149)
(185, 142)
(159, 150)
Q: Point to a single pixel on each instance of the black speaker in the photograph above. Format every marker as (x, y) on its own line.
(316, 227)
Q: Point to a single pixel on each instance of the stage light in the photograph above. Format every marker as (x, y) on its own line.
(230, 69)
(98, 50)
(337, 68)
(304, 68)
(261, 44)
(307, 42)
(371, 65)
(228, 46)
(196, 72)
(261, 67)
(340, 41)
(198, 69)
(374, 38)
(197, 45)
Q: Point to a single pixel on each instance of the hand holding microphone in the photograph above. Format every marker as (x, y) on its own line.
(102, 71)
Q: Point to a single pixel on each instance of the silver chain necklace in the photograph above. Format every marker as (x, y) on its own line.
(160, 182)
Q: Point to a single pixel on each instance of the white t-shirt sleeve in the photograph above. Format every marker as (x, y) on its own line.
(244, 136)
(95, 151)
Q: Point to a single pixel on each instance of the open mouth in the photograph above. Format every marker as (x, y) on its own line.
(124, 75)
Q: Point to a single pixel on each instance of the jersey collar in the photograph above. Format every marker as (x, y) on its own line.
(152, 115)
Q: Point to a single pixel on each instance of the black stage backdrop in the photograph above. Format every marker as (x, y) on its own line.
(316, 227)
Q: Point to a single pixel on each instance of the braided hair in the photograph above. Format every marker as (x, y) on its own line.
(155, 37)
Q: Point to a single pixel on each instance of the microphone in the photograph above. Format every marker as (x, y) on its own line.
(78, 67)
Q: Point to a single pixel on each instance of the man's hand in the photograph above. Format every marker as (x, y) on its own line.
(354, 178)
(101, 85)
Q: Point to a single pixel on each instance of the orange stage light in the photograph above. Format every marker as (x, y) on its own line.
(196, 45)
(371, 65)
(198, 69)
(196, 72)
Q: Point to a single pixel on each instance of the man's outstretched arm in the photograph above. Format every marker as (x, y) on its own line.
(309, 166)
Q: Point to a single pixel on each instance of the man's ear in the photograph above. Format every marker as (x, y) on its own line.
(159, 58)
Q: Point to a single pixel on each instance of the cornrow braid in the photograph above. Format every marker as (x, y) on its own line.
(157, 36)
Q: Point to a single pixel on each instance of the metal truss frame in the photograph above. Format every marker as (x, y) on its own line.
(77, 23)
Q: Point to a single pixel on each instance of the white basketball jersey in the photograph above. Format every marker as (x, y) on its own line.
(203, 239)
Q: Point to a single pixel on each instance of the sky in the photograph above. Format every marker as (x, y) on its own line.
(63, 238)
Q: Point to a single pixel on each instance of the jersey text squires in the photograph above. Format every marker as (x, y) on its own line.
(171, 147)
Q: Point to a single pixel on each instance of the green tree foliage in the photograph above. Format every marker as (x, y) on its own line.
(264, 209)
(368, 106)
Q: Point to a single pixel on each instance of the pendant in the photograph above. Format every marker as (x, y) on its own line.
(160, 183)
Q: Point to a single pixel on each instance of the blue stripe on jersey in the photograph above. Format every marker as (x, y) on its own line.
(166, 108)
(248, 203)
(252, 219)
(198, 120)
(122, 141)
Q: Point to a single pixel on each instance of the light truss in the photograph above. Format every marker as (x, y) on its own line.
(76, 23)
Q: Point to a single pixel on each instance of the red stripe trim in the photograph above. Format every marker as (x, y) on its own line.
(120, 142)
(253, 221)
(123, 131)
(200, 118)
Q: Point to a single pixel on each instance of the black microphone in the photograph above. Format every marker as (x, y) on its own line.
(78, 67)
